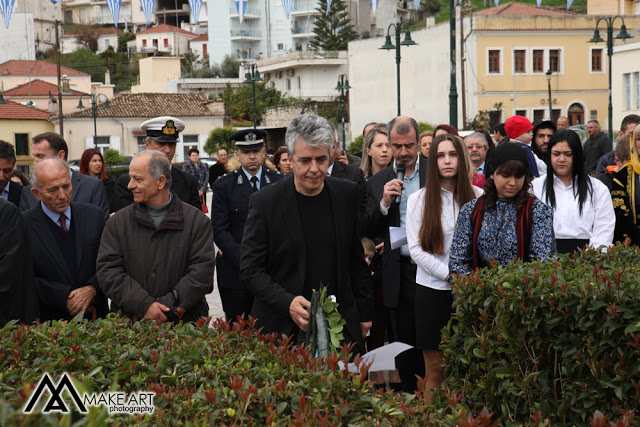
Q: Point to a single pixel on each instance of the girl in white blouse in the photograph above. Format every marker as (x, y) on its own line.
(582, 209)
(431, 219)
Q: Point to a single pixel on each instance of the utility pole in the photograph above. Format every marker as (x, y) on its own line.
(453, 92)
(462, 59)
(59, 80)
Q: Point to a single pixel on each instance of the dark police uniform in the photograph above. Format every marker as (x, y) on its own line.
(229, 210)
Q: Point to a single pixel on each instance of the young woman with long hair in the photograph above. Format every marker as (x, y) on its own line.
(582, 208)
(92, 164)
(431, 218)
(376, 153)
(506, 223)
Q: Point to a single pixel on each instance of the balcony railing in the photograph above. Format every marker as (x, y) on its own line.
(247, 11)
(245, 33)
(246, 55)
(302, 30)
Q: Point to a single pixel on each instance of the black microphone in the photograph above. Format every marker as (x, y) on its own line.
(400, 168)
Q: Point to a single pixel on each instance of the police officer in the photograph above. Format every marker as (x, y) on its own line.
(162, 135)
(229, 209)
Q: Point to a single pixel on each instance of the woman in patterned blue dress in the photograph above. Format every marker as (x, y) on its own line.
(505, 224)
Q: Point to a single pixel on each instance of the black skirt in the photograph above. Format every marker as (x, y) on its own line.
(432, 312)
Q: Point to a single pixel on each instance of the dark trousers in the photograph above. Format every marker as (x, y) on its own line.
(410, 363)
(236, 302)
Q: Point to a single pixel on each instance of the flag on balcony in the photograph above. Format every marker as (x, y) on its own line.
(147, 8)
(6, 7)
(374, 6)
(195, 9)
(114, 7)
(241, 6)
(286, 5)
(328, 7)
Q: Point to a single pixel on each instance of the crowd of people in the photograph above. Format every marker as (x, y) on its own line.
(309, 217)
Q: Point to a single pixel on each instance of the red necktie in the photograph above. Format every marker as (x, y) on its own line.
(63, 222)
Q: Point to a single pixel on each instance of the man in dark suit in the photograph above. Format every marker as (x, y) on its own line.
(85, 188)
(229, 209)
(301, 234)
(9, 190)
(220, 168)
(399, 271)
(350, 172)
(18, 300)
(65, 237)
(162, 135)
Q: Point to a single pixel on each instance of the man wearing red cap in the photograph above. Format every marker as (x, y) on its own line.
(520, 130)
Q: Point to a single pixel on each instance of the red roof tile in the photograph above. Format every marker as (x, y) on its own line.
(14, 111)
(202, 38)
(98, 31)
(38, 88)
(18, 67)
(164, 28)
(150, 105)
(521, 9)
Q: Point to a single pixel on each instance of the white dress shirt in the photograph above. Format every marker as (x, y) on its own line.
(597, 221)
(433, 269)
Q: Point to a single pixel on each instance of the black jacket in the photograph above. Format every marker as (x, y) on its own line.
(377, 225)
(354, 174)
(272, 262)
(15, 193)
(594, 148)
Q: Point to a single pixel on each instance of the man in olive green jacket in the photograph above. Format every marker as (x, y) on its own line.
(156, 256)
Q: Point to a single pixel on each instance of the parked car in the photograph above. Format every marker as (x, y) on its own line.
(209, 161)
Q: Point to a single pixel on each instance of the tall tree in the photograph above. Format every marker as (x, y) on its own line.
(333, 30)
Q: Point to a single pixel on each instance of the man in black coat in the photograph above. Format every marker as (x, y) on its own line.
(399, 271)
(18, 300)
(65, 237)
(220, 168)
(350, 172)
(597, 145)
(301, 234)
(9, 190)
(162, 135)
(85, 188)
(229, 209)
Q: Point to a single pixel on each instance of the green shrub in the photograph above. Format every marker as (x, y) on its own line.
(356, 145)
(424, 126)
(116, 172)
(561, 337)
(112, 157)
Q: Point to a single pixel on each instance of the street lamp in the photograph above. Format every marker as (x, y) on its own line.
(597, 39)
(388, 45)
(550, 102)
(253, 76)
(343, 84)
(94, 110)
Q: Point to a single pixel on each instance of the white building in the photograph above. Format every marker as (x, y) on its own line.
(266, 31)
(44, 14)
(107, 37)
(18, 41)
(118, 127)
(164, 38)
(625, 82)
(312, 75)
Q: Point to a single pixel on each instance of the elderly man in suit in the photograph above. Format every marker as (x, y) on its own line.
(85, 188)
(156, 256)
(229, 208)
(162, 135)
(304, 233)
(399, 271)
(9, 190)
(65, 237)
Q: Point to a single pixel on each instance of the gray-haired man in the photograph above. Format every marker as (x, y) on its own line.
(156, 256)
(477, 145)
(303, 233)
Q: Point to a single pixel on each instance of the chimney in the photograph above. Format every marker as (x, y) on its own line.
(107, 78)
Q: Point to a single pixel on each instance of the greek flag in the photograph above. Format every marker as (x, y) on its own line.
(286, 5)
(147, 8)
(6, 7)
(539, 2)
(374, 5)
(328, 7)
(241, 6)
(569, 3)
(114, 7)
(416, 3)
(497, 2)
(195, 9)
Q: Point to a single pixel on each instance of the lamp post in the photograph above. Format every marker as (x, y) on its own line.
(388, 46)
(548, 74)
(94, 110)
(597, 39)
(343, 84)
(253, 76)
